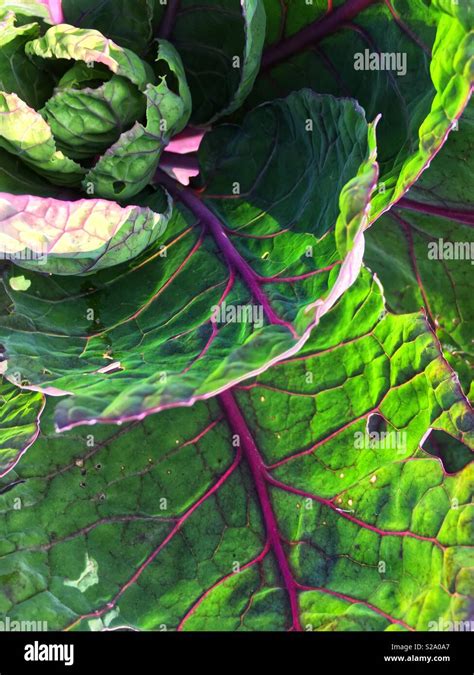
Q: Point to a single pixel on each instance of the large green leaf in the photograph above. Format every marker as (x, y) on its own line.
(423, 251)
(17, 72)
(308, 46)
(226, 293)
(19, 423)
(77, 237)
(305, 196)
(270, 509)
(221, 47)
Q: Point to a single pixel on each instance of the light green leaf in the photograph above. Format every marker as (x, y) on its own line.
(87, 121)
(270, 509)
(17, 73)
(74, 237)
(19, 424)
(423, 251)
(24, 132)
(26, 8)
(68, 42)
(177, 103)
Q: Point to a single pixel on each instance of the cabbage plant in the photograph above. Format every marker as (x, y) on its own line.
(236, 328)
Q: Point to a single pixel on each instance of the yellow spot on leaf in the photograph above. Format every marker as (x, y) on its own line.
(20, 283)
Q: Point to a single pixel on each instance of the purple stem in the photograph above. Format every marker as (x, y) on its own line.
(466, 217)
(214, 226)
(414, 264)
(55, 10)
(257, 469)
(313, 33)
(175, 160)
(168, 20)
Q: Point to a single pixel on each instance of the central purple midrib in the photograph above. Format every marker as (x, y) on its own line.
(407, 231)
(233, 257)
(175, 160)
(168, 20)
(462, 216)
(314, 32)
(55, 10)
(257, 468)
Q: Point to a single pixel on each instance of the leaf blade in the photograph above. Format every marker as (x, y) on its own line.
(187, 499)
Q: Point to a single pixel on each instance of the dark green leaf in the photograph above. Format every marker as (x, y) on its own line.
(17, 73)
(221, 46)
(127, 22)
(427, 46)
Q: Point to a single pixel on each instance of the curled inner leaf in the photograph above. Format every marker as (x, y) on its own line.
(68, 42)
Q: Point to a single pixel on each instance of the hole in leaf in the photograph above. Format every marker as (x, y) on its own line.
(119, 186)
(453, 454)
(163, 70)
(376, 424)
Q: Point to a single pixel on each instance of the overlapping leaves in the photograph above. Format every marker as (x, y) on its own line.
(136, 339)
(333, 492)
(220, 43)
(263, 510)
(46, 226)
(423, 250)
(19, 423)
(420, 94)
